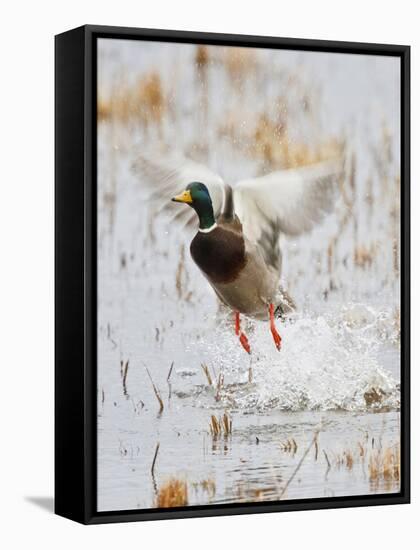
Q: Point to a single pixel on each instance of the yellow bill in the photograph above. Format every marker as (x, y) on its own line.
(185, 196)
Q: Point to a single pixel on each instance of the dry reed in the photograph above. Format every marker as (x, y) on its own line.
(124, 377)
(301, 461)
(202, 56)
(168, 380)
(152, 469)
(289, 446)
(156, 391)
(272, 144)
(239, 63)
(220, 426)
(206, 485)
(220, 385)
(207, 373)
(172, 494)
(384, 464)
(142, 102)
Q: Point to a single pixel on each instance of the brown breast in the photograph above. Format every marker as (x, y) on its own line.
(220, 254)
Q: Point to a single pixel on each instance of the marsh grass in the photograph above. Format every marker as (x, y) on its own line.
(219, 386)
(124, 377)
(221, 426)
(202, 56)
(272, 143)
(313, 441)
(172, 494)
(168, 380)
(248, 492)
(206, 485)
(152, 469)
(239, 63)
(156, 392)
(289, 446)
(142, 102)
(207, 374)
(384, 464)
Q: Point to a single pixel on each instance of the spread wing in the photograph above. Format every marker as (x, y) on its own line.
(289, 201)
(164, 176)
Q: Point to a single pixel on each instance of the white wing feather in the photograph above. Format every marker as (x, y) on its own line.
(289, 201)
(167, 175)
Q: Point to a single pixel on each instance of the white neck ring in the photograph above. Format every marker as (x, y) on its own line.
(208, 229)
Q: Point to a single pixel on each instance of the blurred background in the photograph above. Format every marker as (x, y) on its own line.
(247, 112)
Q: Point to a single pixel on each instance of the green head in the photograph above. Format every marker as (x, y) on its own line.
(198, 197)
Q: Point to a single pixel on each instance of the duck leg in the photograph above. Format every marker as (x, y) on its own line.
(242, 336)
(276, 335)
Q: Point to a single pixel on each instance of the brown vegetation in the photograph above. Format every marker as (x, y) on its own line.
(156, 392)
(239, 62)
(273, 145)
(220, 426)
(207, 374)
(143, 101)
(289, 446)
(173, 493)
(384, 464)
(206, 485)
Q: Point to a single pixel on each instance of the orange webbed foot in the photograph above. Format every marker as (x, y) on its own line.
(242, 336)
(275, 334)
(276, 338)
(244, 341)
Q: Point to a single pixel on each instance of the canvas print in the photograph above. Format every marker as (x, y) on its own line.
(248, 233)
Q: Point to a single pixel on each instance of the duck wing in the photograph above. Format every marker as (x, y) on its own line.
(289, 201)
(166, 175)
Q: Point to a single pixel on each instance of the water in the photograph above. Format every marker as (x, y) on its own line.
(323, 378)
(338, 371)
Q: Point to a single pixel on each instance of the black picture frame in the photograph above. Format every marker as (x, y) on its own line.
(75, 273)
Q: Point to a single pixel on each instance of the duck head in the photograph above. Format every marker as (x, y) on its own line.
(198, 197)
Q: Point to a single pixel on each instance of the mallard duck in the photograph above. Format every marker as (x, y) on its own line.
(236, 246)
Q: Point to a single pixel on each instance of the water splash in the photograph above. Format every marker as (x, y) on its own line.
(334, 361)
